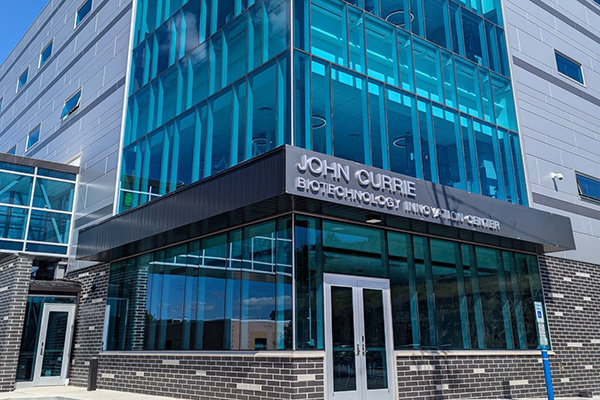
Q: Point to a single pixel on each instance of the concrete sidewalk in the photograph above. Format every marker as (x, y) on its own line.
(74, 393)
(77, 393)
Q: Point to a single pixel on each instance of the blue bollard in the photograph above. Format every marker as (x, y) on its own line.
(547, 373)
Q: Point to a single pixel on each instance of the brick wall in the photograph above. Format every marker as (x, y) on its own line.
(460, 375)
(89, 324)
(206, 376)
(572, 293)
(15, 272)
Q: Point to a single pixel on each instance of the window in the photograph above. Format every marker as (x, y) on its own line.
(589, 187)
(46, 53)
(33, 137)
(13, 150)
(82, 12)
(22, 80)
(1, 100)
(71, 105)
(568, 67)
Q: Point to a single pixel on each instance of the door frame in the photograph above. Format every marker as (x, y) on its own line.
(359, 282)
(39, 380)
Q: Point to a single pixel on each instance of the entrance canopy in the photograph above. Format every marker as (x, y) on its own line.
(292, 179)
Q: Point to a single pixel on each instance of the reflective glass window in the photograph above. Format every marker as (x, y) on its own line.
(53, 195)
(486, 95)
(428, 157)
(83, 11)
(46, 53)
(33, 137)
(277, 26)
(22, 80)
(467, 85)
(382, 55)
(218, 133)
(321, 118)
(12, 223)
(470, 154)
(515, 148)
(504, 104)
(450, 160)
(328, 31)
(588, 187)
(13, 150)
(235, 41)
(356, 40)
(377, 126)
(474, 38)
(49, 227)
(15, 189)
(397, 12)
(425, 294)
(490, 166)
(403, 133)
(405, 54)
(437, 22)
(508, 168)
(71, 105)
(428, 70)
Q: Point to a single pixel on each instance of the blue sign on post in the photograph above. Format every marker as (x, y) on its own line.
(539, 316)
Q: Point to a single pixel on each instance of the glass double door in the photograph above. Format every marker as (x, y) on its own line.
(359, 338)
(54, 344)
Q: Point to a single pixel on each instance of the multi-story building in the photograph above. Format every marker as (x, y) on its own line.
(317, 199)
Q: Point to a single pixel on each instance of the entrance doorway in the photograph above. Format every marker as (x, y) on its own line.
(54, 345)
(360, 359)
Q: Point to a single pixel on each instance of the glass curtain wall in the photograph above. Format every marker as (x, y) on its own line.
(445, 294)
(209, 87)
(36, 208)
(231, 291)
(419, 87)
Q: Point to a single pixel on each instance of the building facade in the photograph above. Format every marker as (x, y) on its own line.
(328, 199)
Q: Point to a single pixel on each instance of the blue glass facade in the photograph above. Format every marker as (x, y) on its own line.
(419, 87)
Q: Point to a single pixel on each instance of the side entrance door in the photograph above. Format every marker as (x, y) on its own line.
(54, 345)
(359, 353)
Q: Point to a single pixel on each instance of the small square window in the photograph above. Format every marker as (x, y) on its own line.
(568, 67)
(71, 105)
(1, 101)
(22, 80)
(13, 150)
(45, 54)
(83, 11)
(33, 137)
(589, 187)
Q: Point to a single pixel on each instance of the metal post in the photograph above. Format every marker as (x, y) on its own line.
(547, 373)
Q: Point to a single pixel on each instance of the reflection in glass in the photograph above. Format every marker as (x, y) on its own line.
(15, 189)
(375, 339)
(342, 332)
(54, 344)
(53, 195)
(49, 227)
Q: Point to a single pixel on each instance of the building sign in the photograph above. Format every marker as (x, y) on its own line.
(541, 323)
(327, 178)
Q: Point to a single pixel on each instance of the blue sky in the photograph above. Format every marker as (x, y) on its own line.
(16, 16)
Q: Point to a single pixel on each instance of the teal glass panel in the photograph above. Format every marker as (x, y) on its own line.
(277, 27)
(403, 291)
(15, 189)
(486, 95)
(350, 116)
(403, 133)
(222, 13)
(474, 38)
(56, 174)
(352, 250)
(218, 135)
(12, 223)
(448, 144)
(450, 303)
(255, 37)
(217, 74)
(190, 25)
(321, 107)
(170, 329)
(417, 17)
(510, 188)
(448, 68)
(83, 11)
(302, 101)
(405, 55)
(328, 31)
(470, 154)
(515, 300)
(169, 95)
(377, 126)
(198, 75)
(515, 148)
(301, 28)
(427, 141)
(490, 166)
(45, 248)
(382, 57)
(46, 53)
(425, 293)
(492, 43)
(397, 12)
(469, 92)
(504, 103)
(235, 35)
(49, 227)
(437, 23)
(492, 10)
(458, 44)
(29, 339)
(494, 300)
(53, 195)
(263, 107)
(428, 70)
(472, 297)
(356, 40)
(503, 57)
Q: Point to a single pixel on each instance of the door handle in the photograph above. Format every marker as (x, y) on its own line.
(42, 349)
(357, 350)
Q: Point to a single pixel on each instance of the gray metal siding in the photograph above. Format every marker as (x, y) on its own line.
(559, 118)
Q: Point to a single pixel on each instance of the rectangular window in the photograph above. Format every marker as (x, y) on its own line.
(33, 137)
(83, 11)
(71, 105)
(568, 67)
(13, 150)
(22, 80)
(1, 101)
(589, 187)
(45, 54)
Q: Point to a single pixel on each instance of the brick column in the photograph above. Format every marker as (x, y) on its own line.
(15, 273)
